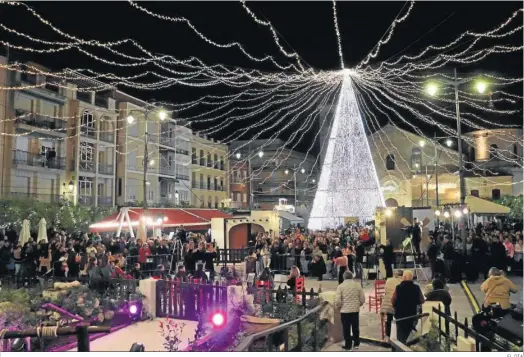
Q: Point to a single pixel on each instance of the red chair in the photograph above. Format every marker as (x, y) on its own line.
(375, 300)
(300, 286)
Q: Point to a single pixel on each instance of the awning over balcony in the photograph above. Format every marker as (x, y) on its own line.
(479, 206)
(191, 219)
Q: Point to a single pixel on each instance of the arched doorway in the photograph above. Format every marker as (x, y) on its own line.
(391, 202)
(240, 234)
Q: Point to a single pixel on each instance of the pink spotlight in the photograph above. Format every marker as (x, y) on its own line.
(133, 309)
(218, 319)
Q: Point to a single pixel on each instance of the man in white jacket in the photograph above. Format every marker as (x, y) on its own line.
(349, 298)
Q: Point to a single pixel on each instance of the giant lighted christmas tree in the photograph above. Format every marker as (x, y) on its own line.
(348, 185)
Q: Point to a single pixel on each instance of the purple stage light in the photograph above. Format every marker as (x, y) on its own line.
(133, 309)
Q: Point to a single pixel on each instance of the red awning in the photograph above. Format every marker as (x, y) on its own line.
(190, 219)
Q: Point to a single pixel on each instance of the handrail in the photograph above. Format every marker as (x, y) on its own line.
(244, 346)
(426, 314)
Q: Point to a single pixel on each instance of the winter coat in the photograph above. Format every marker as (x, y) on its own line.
(497, 290)
(349, 297)
(387, 306)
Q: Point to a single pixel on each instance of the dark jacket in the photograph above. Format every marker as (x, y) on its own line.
(406, 299)
(432, 251)
(388, 255)
(448, 251)
(440, 295)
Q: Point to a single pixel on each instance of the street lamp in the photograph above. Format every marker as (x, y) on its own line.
(422, 143)
(286, 171)
(260, 154)
(432, 89)
(437, 213)
(238, 155)
(302, 170)
(449, 142)
(162, 115)
(71, 186)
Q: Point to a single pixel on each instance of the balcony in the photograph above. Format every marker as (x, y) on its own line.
(202, 162)
(219, 188)
(38, 160)
(89, 132)
(86, 200)
(105, 169)
(182, 152)
(35, 196)
(167, 170)
(194, 160)
(105, 201)
(107, 137)
(195, 184)
(182, 177)
(85, 166)
(167, 141)
(40, 121)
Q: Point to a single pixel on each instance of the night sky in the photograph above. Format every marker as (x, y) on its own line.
(306, 27)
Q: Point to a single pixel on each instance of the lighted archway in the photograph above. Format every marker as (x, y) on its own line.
(391, 202)
(240, 234)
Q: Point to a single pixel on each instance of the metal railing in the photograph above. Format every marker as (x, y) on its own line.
(107, 137)
(83, 96)
(41, 121)
(38, 160)
(167, 170)
(105, 169)
(182, 152)
(105, 200)
(277, 338)
(182, 177)
(86, 200)
(90, 132)
(35, 196)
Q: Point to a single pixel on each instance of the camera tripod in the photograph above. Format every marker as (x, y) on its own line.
(417, 268)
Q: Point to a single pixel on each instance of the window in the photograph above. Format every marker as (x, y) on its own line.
(222, 163)
(216, 201)
(221, 184)
(202, 159)
(209, 162)
(201, 181)
(209, 182)
(492, 151)
(87, 124)
(390, 162)
(239, 197)
(209, 202)
(215, 181)
(85, 186)
(169, 161)
(215, 162)
(475, 193)
(193, 156)
(202, 201)
(495, 194)
(244, 197)
(120, 187)
(515, 150)
(86, 152)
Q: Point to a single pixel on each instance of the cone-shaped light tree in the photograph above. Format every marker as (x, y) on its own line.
(348, 185)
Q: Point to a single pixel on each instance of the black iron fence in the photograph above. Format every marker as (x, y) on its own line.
(307, 333)
(305, 298)
(188, 301)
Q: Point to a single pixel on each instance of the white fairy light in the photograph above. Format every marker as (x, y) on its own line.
(348, 185)
(337, 32)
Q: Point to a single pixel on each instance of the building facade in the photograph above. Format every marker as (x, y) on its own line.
(58, 141)
(167, 180)
(239, 184)
(408, 176)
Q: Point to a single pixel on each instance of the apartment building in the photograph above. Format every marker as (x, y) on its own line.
(168, 179)
(209, 173)
(58, 141)
(239, 183)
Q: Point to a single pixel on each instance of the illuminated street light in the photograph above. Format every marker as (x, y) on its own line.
(432, 89)
(314, 180)
(71, 185)
(446, 214)
(286, 171)
(151, 162)
(465, 210)
(162, 115)
(130, 119)
(458, 213)
(449, 142)
(388, 213)
(302, 170)
(481, 86)
(260, 154)
(422, 143)
(238, 155)
(437, 213)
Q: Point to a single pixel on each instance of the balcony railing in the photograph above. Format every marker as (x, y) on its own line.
(28, 78)
(194, 160)
(167, 141)
(88, 131)
(46, 197)
(105, 200)
(182, 177)
(105, 169)
(167, 170)
(107, 137)
(85, 166)
(202, 162)
(38, 160)
(40, 121)
(86, 200)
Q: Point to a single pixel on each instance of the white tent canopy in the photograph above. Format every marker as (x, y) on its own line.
(42, 231)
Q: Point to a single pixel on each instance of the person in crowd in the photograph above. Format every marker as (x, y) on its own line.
(305, 258)
(439, 293)
(341, 262)
(498, 253)
(266, 276)
(388, 257)
(498, 289)
(349, 298)
(200, 275)
(406, 300)
(386, 308)
(359, 259)
(448, 252)
(479, 250)
(294, 273)
(251, 261)
(318, 267)
(510, 252)
(416, 235)
(181, 274)
(432, 254)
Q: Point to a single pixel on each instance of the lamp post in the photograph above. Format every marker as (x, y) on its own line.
(162, 115)
(432, 90)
